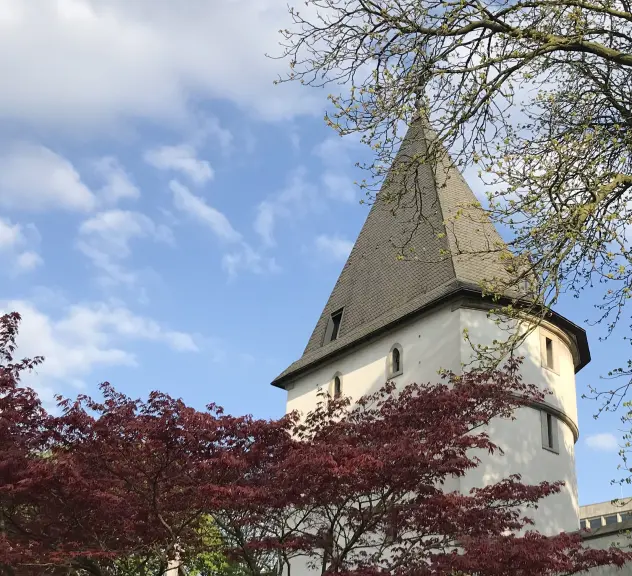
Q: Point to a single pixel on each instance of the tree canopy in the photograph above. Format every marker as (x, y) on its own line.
(537, 94)
(121, 486)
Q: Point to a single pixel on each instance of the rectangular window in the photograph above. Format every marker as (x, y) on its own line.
(549, 351)
(549, 432)
(594, 523)
(612, 519)
(333, 326)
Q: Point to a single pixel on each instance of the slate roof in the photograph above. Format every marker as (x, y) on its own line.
(446, 247)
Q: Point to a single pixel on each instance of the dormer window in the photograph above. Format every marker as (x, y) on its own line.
(333, 326)
(394, 362)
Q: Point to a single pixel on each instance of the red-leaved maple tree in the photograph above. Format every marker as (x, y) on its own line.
(120, 486)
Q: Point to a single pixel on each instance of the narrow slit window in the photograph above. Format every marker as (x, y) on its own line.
(333, 326)
(549, 432)
(396, 361)
(550, 351)
(337, 387)
(550, 358)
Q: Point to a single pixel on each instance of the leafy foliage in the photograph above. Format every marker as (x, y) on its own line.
(121, 486)
(537, 94)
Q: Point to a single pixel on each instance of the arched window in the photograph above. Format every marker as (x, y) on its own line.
(395, 362)
(396, 359)
(335, 388)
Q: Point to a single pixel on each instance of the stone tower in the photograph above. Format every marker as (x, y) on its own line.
(403, 320)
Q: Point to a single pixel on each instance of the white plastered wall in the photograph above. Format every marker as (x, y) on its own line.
(428, 344)
(435, 341)
(521, 439)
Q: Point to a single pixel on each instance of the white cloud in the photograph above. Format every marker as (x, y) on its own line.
(336, 151)
(339, 186)
(182, 158)
(338, 156)
(604, 442)
(27, 261)
(118, 183)
(36, 178)
(210, 128)
(245, 258)
(296, 199)
(333, 247)
(295, 140)
(105, 239)
(10, 234)
(88, 62)
(113, 230)
(14, 238)
(197, 208)
(83, 338)
(97, 324)
(267, 213)
(239, 255)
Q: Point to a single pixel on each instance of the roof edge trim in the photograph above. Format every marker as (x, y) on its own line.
(460, 290)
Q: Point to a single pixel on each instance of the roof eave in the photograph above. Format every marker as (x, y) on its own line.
(578, 333)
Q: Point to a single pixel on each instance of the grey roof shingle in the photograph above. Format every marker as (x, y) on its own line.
(448, 243)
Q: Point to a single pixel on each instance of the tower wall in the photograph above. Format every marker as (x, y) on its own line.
(428, 344)
(522, 438)
(435, 341)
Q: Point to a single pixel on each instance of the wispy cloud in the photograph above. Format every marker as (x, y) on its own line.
(105, 239)
(296, 198)
(239, 254)
(16, 247)
(102, 321)
(603, 442)
(265, 221)
(182, 158)
(118, 183)
(27, 261)
(10, 234)
(339, 186)
(244, 257)
(336, 157)
(83, 337)
(333, 247)
(196, 207)
(211, 129)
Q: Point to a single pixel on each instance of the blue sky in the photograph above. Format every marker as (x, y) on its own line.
(171, 220)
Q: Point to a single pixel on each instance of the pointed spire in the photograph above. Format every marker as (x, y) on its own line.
(426, 213)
